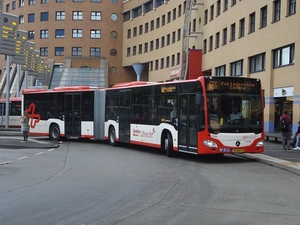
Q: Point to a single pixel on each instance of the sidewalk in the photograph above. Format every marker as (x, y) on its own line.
(13, 138)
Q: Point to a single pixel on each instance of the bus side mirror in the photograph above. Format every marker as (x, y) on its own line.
(199, 99)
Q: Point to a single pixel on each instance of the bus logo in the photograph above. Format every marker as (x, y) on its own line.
(35, 118)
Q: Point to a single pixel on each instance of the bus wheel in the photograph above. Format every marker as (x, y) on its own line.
(169, 145)
(112, 136)
(54, 133)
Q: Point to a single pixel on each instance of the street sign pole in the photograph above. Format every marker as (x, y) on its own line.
(7, 91)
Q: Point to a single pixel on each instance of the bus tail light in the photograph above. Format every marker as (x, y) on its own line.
(210, 144)
(259, 144)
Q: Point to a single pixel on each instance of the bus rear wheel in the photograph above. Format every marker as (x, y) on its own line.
(54, 132)
(168, 145)
(112, 136)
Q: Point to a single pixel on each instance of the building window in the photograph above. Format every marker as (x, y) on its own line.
(13, 5)
(156, 64)
(174, 13)
(263, 12)
(44, 51)
(146, 47)
(233, 2)
(252, 22)
(236, 68)
(44, 1)
(163, 20)
(284, 56)
(7, 7)
(224, 36)
(157, 23)
(292, 7)
(212, 11)
(95, 52)
(128, 52)
(179, 10)
(134, 32)
(44, 16)
(169, 17)
(59, 51)
(168, 62)
(173, 37)
(210, 43)
(218, 7)
(31, 2)
(242, 27)
(21, 3)
(30, 17)
(220, 71)
(225, 5)
(30, 34)
(44, 34)
(140, 29)
(277, 7)
(96, 0)
(76, 51)
(60, 15)
(134, 50)
(257, 63)
(146, 27)
(21, 19)
(76, 33)
(152, 25)
(60, 0)
(77, 0)
(162, 42)
(140, 49)
(232, 36)
(218, 40)
(178, 34)
(151, 45)
(205, 16)
(95, 15)
(59, 33)
(162, 63)
(173, 60)
(77, 15)
(96, 34)
(204, 46)
(157, 43)
(168, 39)
(129, 33)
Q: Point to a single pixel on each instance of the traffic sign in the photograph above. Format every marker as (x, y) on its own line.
(9, 31)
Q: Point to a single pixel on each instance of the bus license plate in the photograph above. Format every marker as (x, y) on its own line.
(238, 150)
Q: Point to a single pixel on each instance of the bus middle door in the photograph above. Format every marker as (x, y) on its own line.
(73, 114)
(187, 130)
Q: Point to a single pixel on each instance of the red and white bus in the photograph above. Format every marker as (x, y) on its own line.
(141, 113)
(14, 112)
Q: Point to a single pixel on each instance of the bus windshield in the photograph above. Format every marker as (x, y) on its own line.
(234, 112)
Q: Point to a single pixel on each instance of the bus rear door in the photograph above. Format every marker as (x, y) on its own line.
(125, 116)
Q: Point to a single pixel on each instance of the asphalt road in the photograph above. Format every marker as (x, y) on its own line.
(94, 183)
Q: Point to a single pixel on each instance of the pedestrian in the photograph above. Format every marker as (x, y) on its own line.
(296, 139)
(285, 127)
(25, 125)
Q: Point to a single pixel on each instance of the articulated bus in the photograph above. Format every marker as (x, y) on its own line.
(208, 115)
(14, 112)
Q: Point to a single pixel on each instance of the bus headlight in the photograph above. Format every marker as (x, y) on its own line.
(259, 144)
(210, 144)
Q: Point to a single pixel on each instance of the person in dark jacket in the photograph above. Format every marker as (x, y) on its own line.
(296, 139)
(286, 134)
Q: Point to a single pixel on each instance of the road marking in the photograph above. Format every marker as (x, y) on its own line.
(25, 157)
(39, 153)
(50, 150)
(3, 163)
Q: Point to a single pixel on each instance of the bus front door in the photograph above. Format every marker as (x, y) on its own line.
(187, 129)
(124, 118)
(73, 115)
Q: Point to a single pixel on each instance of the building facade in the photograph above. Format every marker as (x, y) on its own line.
(257, 39)
(74, 34)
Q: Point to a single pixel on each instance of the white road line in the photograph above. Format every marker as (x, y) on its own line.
(25, 157)
(39, 153)
(3, 163)
(50, 150)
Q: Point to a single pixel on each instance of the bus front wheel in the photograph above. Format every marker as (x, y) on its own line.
(54, 132)
(112, 136)
(168, 145)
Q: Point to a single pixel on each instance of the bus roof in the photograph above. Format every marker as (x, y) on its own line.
(60, 89)
(133, 83)
(12, 99)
